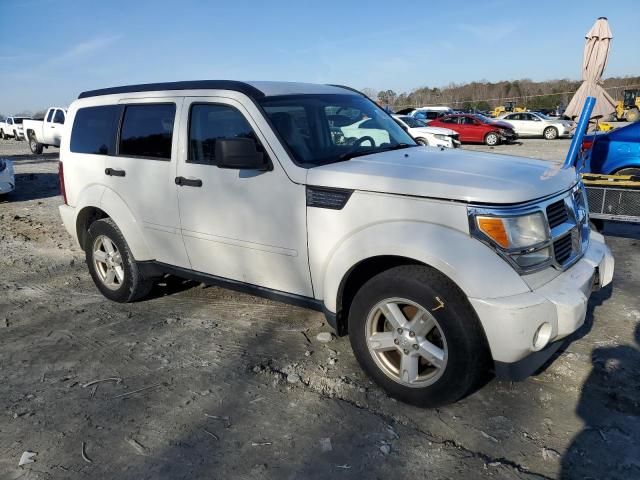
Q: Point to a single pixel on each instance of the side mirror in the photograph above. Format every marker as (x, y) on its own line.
(240, 154)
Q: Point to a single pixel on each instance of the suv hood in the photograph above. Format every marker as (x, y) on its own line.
(447, 174)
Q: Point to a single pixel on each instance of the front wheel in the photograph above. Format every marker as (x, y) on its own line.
(492, 139)
(634, 172)
(3, 136)
(34, 146)
(111, 264)
(422, 141)
(550, 133)
(633, 115)
(415, 334)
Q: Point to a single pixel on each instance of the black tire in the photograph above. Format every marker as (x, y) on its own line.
(134, 286)
(34, 146)
(550, 133)
(3, 136)
(633, 115)
(16, 137)
(422, 141)
(596, 224)
(492, 139)
(633, 171)
(468, 357)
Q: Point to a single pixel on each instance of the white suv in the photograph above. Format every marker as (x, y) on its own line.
(439, 265)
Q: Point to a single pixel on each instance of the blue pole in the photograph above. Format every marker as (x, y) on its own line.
(581, 129)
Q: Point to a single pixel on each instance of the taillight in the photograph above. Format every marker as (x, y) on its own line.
(587, 143)
(63, 192)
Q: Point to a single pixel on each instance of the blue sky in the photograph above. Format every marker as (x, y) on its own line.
(53, 49)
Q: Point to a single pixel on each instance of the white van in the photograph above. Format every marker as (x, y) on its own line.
(439, 265)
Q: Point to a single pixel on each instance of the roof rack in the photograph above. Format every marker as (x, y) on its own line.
(241, 87)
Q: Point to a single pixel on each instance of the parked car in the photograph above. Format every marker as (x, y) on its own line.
(45, 132)
(12, 127)
(424, 257)
(7, 177)
(426, 135)
(428, 114)
(613, 152)
(536, 124)
(475, 128)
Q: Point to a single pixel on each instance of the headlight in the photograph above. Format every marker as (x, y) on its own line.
(523, 240)
(441, 136)
(514, 232)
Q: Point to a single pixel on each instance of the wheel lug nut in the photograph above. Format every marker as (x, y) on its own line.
(412, 334)
(396, 341)
(415, 346)
(406, 351)
(400, 330)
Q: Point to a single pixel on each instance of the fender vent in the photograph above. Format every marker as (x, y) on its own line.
(332, 198)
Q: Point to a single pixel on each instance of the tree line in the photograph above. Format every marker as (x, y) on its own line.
(485, 95)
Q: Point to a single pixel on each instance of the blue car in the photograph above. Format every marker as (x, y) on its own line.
(614, 152)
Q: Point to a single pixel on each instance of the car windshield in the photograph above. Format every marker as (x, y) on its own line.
(483, 119)
(322, 129)
(413, 122)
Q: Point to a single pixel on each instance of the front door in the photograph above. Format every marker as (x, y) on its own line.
(244, 225)
(143, 170)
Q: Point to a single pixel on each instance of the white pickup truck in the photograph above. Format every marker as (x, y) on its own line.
(46, 132)
(12, 127)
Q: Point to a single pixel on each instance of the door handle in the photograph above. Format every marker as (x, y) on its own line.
(112, 172)
(188, 182)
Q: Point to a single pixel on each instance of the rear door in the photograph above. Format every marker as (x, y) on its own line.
(143, 170)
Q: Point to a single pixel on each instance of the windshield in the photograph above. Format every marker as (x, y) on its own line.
(322, 129)
(483, 119)
(413, 122)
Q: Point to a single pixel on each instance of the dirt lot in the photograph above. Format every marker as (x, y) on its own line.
(206, 383)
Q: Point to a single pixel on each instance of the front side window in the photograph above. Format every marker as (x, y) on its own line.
(209, 123)
(58, 117)
(49, 116)
(325, 128)
(94, 130)
(147, 131)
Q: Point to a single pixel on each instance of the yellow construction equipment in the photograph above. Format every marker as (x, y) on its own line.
(629, 107)
(508, 107)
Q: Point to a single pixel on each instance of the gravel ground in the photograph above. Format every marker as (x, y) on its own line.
(200, 382)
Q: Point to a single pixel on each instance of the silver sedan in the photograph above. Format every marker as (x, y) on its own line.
(534, 124)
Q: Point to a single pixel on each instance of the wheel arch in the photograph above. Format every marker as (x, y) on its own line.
(466, 262)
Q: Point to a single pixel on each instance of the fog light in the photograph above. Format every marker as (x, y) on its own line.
(542, 336)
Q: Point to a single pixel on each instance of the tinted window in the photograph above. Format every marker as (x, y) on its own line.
(208, 123)
(94, 130)
(449, 119)
(49, 115)
(147, 131)
(58, 117)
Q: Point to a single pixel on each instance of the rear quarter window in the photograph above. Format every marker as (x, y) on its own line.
(94, 130)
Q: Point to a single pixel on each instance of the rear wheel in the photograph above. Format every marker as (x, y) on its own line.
(633, 115)
(34, 146)
(15, 136)
(492, 139)
(635, 172)
(415, 334)
(111, 264)
(550, 133)
(422, 141)
(2, 135)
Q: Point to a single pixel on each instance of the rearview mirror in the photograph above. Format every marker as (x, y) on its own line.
(240, 154)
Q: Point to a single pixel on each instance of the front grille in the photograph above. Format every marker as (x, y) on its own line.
(557, 213)
(562, 249)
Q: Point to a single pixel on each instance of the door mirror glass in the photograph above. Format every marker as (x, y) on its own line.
(239, 153)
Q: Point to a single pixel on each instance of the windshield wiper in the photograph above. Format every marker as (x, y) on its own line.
(362, 153)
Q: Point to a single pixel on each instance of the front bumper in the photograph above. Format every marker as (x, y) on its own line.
(511, 323)
(6, 186)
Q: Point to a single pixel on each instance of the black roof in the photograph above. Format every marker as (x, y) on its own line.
(241, 87)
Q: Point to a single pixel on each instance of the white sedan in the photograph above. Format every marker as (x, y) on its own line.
(534, 124)
(7, 178)
(426, 135)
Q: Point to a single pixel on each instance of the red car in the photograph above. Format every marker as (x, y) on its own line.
(476, 128)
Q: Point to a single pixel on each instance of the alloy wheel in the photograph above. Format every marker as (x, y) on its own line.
(108, 262)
